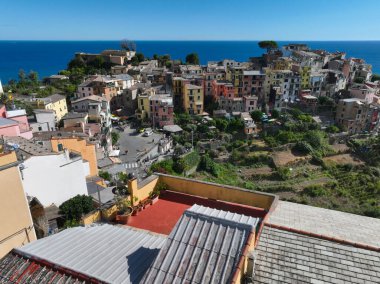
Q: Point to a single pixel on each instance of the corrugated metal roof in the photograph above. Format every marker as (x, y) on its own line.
(204, 247)
(109, 253)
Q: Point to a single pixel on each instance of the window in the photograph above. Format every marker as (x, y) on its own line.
(39, 129)
(60, 147)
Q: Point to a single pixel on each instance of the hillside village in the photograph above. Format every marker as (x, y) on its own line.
(118, 138)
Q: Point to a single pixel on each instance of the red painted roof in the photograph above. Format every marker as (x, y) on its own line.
(18, 269)
(164, 214)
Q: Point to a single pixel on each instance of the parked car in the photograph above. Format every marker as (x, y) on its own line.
(148, 132)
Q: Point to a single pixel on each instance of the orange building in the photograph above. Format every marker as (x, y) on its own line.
(16, 227)
(80, 145)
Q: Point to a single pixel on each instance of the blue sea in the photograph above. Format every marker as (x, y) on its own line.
(48, 57)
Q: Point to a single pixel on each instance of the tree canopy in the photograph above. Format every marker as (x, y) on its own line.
(192, 58)
(75, 207)
(268, 44)
(128, 45)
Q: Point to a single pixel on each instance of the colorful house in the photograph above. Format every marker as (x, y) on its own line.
(193, 99)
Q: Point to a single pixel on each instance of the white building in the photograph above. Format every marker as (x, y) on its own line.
(316, 83)
(98, 109)
(51, 177)
(290, 86)
(44, 120)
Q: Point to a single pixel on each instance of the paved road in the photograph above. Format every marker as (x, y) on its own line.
(136, 144)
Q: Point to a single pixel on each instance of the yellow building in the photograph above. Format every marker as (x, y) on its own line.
(143, 104)
(16, 225)
(193, 99)
(178, 85)
(282, 63)
(305, 77)
(273, 78)
(80, 145)
(55, 102)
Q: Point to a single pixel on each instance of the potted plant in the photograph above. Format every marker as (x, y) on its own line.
(124, 209)
(153, 196)
(161, 188)
(137, 207)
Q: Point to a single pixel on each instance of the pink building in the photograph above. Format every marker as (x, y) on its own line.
(162, 110)
(14, 123)
(363, 92)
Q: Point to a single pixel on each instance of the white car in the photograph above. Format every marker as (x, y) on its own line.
(148, 132)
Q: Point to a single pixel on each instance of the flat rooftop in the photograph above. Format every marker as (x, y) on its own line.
(164, 214)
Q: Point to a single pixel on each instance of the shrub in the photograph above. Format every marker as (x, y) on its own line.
(105, 175)
(115, 137)
(315, 191)
(303, 147)
(75, 207)
(165, 167)
(284, 172)
(186, 162)
(333, 129)
(208, 165)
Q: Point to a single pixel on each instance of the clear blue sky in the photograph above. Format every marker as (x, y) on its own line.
(190, 19)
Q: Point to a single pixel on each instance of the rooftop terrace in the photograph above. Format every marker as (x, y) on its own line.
(164, 214)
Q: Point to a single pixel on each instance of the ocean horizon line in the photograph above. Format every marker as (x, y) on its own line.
(184, 40)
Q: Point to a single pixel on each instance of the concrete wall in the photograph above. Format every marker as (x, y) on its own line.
(142, 190)
(45, 120)
(10, 130)
(53, 178)
(218, 191)
(59, 107)
(16, 227)
(87, 150)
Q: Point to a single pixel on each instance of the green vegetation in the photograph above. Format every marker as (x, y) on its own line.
(268, 45)
(137, 59)
(192, 58)
(185, 162)
(115, 137)
(179, 165)
(165, 167)
(375, 77)
(228, 157)
(105, 175)
(74, 208)
(257, 115)
(163, 60)
(208, 165)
